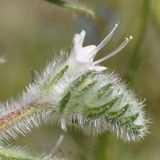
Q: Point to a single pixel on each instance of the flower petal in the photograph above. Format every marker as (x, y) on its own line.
(81, 56)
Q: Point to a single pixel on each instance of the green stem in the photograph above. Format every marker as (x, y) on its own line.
(9, 154)
(100, 152)
(137, 58)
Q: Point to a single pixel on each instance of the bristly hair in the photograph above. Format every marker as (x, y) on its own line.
(18, 153)
(76, 90)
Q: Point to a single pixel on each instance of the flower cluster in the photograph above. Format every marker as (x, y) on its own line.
(76, 90)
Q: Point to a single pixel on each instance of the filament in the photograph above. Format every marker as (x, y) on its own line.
(106, 40)
(116, 51)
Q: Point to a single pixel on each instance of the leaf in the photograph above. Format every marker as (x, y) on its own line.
(73, 7)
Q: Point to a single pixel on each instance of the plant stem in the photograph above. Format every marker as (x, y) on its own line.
(137, 58)
(21, 120)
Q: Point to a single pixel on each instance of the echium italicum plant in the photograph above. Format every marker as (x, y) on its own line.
(74, 90)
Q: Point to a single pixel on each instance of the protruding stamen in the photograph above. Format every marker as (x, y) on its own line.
(106, 40)
(116, 51)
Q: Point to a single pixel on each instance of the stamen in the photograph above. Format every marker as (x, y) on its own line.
(116, 51)
(106, 40)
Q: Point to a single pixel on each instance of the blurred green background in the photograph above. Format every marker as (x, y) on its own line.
(32, 32)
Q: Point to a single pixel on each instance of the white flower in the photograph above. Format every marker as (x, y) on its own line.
(83, 57)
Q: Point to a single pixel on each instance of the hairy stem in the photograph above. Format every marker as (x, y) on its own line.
(8, 154)
(21, 120)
